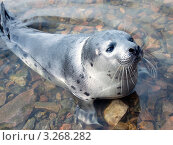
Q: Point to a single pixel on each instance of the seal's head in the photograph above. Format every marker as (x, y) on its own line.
(111, 48)
(111, 58)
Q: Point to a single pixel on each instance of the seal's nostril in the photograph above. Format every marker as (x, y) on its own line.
(131, 50)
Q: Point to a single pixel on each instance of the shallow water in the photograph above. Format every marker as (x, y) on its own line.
(28, 101)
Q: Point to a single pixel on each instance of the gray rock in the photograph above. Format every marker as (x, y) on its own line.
(17, 110)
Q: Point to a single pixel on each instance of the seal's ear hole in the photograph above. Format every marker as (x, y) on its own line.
(111, 47)
(131, 39)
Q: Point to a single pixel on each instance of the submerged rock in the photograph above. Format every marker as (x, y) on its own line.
(17, 110)
(114, 112)
(20, 77)
(2, 98)
(50, 106)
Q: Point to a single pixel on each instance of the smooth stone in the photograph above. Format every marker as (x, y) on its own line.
(29, 124)
(2, 98)
(50, 106)
(114, 112)
(17, 110)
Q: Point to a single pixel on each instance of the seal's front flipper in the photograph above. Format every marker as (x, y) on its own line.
(86, 112)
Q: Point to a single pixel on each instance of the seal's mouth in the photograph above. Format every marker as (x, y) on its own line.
(134, 58)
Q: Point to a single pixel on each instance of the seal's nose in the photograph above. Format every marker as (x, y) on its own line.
(135, 50)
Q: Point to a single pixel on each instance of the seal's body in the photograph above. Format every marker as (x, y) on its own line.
(91, 66)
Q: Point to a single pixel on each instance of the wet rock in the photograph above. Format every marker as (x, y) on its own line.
(114, 112)
(17, 110)
(65, 127)
(2, 98)
(29, 124)
(50, 106)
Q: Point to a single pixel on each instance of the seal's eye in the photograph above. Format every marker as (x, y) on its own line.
(111, 47)
(131, 39)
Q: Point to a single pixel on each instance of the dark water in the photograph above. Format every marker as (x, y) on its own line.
(28, 101)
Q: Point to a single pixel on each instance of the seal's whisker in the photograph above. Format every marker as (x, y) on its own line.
(122, 80)
(151, 67)
(130, 75)
(133, 71)
(127, 79)
(115, 74)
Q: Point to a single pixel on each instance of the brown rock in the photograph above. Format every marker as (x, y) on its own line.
(114, 112)
(122, 10)
(168, 124)
(43, 98)
(170, 69)
(17, 110)
(145, 115)
(162, 84)
(2, 98)
(121, 126)
(50, 106)
(146, 125)
(6, 69)
(65, 127)
(155, 88)
(48, 85)
(99, 27)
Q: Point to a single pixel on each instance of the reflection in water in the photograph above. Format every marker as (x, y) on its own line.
(49, 107)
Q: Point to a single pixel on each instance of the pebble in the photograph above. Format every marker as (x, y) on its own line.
(114, 112)
(17, 110)
(2, 98)
(50, 106)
